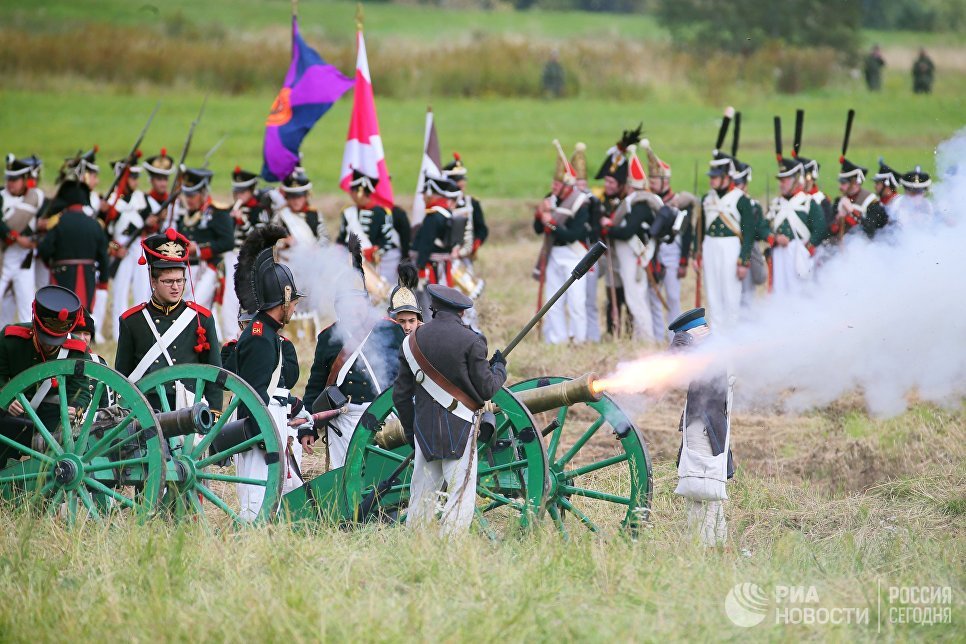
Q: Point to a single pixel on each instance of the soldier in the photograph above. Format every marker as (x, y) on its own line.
(290, 358)
(852, 207)
(404, 307)
(246, 212)
(741, 177)
(75, 248)
(167, 329)
(915, 209)
(727, 227)
(811, 168)
(44, 336)
(705, 462)
(444, 380)
(578, 161)
(351, 355)
(675, 247)
(20, 205)
(887, 189)
(372, 225)
(431, 246)
(563, 220)
(797, 224)
(86, 332)
(305, 225)
(210, 232)
(874, 62)
(923, 71)
(467, 207)
(126, 224)
(629, 230)
(268, 289)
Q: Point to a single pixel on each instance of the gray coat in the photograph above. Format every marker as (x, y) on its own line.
(459, 354)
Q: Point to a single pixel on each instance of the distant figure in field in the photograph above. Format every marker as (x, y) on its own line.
(923, 70)
(553, 76)
(874, 63)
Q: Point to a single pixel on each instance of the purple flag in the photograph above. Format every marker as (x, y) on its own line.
(311, 87)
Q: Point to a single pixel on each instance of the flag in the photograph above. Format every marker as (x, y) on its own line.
(429, 168)
(363, 146)
(311, 87)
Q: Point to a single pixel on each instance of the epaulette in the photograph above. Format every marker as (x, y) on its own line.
(134, 309)
(75, 344)
(200, 309)
(284, 339)
(14, 331)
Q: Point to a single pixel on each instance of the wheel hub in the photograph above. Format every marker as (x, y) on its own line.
(185, 470)
(69, 471)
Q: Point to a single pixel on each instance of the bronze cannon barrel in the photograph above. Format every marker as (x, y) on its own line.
(562, 394)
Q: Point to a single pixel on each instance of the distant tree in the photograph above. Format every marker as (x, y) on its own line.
(746, 26)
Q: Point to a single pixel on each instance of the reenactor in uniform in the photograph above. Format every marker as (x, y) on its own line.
(811, 168)
(159, 168)
(431, 246)
(167, 329)
(125, 227)
(20, 205)
(372, 225)
(305, 224)
(629, 230)
(675, 247)
(75, 247)
(742, 177)
(887, 188)
(923, 71)
(852, 208)
(210, 233)
(797, 224)
(578, 161)
(916, 208)
(404, 307)
(44, 336)
(563, 219)
(246, 212)
(86, 332)
(352, 355)
(440, 409)
(268, 289)
(726, 234)
(468, 208)
(705, 463)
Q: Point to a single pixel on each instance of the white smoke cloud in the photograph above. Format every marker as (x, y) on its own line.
(886, 317)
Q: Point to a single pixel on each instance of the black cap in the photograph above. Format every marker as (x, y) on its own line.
(742, 172)
(57, 311)
(120, 164)
(160, 165)
(86, 324)
(809, 166)
(296, 183)
(274, 283)
(362, 181)
(17, 167)
(448, 299)
(455, 169)
(688, 320)
(195, 180)
(442, 187)
(887, 175)
(165, 250)
(851, 171)
(721, 164)
(789, 168)
(916, 179)
(243, 179)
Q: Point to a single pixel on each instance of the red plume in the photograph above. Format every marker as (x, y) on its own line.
(164, 152)
(62, 315)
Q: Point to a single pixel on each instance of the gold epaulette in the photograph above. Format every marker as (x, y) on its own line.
(598, 191)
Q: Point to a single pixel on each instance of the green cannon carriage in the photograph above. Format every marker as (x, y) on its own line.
(559, 450)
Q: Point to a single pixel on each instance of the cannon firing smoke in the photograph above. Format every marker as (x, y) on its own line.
(887, 318)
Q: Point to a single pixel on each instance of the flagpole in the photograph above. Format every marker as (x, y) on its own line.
(360, 16)
(295, 8)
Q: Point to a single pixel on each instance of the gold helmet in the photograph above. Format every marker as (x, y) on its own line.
(403, 295)
(655, 166)
(578, 160)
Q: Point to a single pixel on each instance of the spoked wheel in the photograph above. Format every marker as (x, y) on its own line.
(213, 474)
(70, 456)
(511, 478)
(600, 468)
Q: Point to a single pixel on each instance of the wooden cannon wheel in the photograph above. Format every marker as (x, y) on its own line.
(202, 482)
(88, 465)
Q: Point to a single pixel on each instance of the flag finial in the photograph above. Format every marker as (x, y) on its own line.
(295, 8)
(360, 16)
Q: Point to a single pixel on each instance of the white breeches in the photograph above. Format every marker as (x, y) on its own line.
(593, 312)
(426, 497)
(251, 464)
(636, 296)
(787, 281)
(20, 281)
(568, 317)
(670, 256)
(388, 265)
(229, 301)
(205, 280)
(345, 423)
(721, 284)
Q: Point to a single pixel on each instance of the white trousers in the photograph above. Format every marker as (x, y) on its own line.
(721, 284)
(346, 422)
(456, 504)
(205, 280)
(229, 301)
(251, 464)
(389, 264)
(670, 256)
(787, 281)
(131, 285)
(706, 519)
(593, 311)
(636, 296)
(20, 281)
(567, 319)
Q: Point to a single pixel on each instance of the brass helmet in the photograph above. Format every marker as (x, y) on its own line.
(403, 295)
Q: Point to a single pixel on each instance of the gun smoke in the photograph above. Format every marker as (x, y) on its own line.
(886, 318)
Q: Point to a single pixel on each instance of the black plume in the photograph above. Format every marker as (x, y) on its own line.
(778, 137)
(735, 135)
(848, 131)
(257, 241)
(630, 137)
(799, 124)
(408, 275)
(355, 249)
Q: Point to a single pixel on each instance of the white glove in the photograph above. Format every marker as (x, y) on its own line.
(306, 417)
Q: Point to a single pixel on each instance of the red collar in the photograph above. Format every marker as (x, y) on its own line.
(160, 197)
(885, 200)
(252, 202)
(813, 190)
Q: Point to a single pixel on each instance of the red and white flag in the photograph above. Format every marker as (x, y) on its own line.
(429, 168)
(363, 147)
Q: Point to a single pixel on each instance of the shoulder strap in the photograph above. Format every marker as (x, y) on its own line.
(44, 387)
(161, 342)
(448, 395)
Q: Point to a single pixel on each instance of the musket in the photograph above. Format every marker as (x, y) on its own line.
(698, 232)
(771, 273)
(179, 177)
(121, 177)
(612, 296)
(213, 149)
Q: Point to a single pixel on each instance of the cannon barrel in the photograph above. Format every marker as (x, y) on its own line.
(561, 394)
(232, 434)
(391, 435)
(196, 419)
